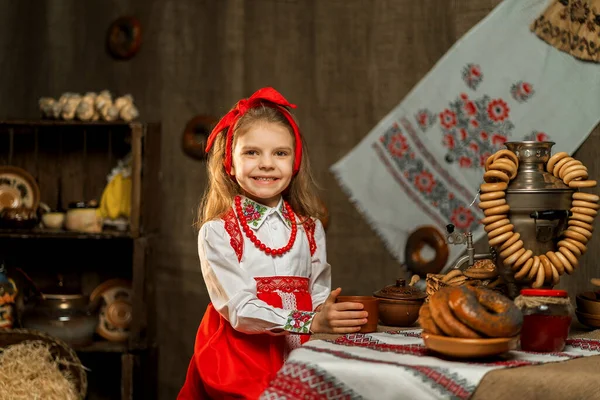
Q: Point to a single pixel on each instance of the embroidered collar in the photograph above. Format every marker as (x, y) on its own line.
(257, 213)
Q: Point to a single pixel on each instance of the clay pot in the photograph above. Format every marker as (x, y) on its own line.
(370, 305)
(399, 304)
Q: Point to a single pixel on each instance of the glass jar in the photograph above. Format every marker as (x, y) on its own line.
(546, 319)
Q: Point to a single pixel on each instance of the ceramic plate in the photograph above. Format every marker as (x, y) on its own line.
(116, 298)
(18, 188)
(591, 320)
(469, 348)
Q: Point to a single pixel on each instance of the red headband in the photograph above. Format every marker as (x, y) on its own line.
(229, 120)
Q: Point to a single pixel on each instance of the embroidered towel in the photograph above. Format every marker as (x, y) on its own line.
(423, 163)
(384, 365)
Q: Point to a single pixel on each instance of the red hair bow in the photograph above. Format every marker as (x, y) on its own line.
(228, 121)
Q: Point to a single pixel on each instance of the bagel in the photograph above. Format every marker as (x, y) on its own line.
(492, 196)
(417, 240)
(426, 322)
(554, 159)
(485, 311)
(444, 317)
(484, 205)
(586, 197)
(506, 154)
(582, 184)
(586, 204)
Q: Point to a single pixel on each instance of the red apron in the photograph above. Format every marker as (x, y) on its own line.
(228, 364)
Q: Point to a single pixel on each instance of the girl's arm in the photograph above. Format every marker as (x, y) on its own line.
(233, 291)
(320, 278)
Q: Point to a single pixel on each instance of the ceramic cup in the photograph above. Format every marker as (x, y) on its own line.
(371, 305)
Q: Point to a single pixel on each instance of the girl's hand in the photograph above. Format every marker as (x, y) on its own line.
(338, 317)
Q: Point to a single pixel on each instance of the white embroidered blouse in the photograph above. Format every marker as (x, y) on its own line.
(230, 283)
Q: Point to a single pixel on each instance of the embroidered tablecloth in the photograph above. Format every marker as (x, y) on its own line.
(423, 163)
(393, 365)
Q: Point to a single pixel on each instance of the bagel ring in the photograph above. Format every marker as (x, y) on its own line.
(493, 187)
(582, 184)
(586, 197)
(554, 159)
(444, 318)
(417, 240)
(493, 175)
(575, 175)
(426, 322)
(491, 196)
(485, 311)
(506, 154)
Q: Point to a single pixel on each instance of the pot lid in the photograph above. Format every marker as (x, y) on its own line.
(400, 291)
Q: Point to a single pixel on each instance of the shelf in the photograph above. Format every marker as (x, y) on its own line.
(47, 234)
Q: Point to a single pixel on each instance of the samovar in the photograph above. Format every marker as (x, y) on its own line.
(539, 206)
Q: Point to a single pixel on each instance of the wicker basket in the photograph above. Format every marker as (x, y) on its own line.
(434, 282)
(58, 348)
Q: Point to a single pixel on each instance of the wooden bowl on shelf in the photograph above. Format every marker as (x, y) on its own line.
(589, 303)
(469, 348)
(590, 320)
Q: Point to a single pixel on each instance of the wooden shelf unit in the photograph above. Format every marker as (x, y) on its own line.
(70, 161)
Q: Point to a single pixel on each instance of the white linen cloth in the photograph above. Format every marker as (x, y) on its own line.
(394, 365)
(230, 283)
(423, 163)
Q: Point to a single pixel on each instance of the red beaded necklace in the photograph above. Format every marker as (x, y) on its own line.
(260, 245)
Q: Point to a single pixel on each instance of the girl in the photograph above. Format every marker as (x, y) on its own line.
(262, 252)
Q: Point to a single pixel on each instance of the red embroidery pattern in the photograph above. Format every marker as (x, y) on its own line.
(472, 75)
(309, 228)
(584, 344)
(369, 342)
(233, 229)
(300, 381)
(449, 383)
(286, 284)
(521, 91)
(415, 176)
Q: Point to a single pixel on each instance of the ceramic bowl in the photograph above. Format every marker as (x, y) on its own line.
(589, 303)
(371, 305)
(591, 320)
(399, 313)
(53, 220)
(469, 348)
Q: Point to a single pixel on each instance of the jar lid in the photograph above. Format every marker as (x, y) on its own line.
(544, 292)
(400, 291)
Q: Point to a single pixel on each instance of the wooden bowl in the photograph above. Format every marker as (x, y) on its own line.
(589, 303)
(469, 348)
(591, 320)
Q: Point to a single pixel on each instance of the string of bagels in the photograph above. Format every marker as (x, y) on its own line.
(540, 269)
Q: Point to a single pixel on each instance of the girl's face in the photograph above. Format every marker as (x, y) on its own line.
(263, 160)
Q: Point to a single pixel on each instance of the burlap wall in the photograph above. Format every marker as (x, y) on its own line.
(345, 63)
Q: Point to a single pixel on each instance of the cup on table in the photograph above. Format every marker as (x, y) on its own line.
(371, 305)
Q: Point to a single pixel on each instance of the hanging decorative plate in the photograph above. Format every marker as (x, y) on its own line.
(124, 38)
(18, 188)
(115, 297)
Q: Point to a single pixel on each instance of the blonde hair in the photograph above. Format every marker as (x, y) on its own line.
(301, 193)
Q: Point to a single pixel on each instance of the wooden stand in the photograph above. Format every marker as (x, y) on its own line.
(70, 161)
